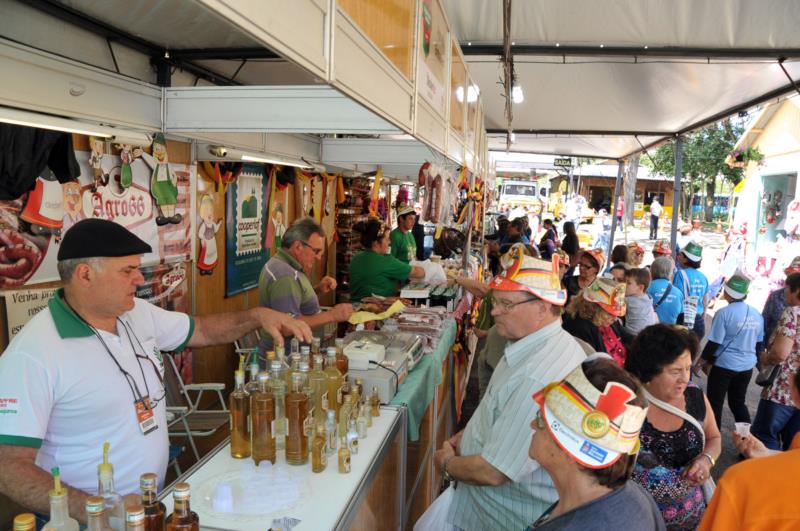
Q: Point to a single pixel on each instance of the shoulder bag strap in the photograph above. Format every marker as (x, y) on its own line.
(664, 295)
(677, 412)
(685, 283)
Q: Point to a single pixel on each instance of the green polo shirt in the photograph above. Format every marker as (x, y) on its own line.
(373, 273)
(404, 247)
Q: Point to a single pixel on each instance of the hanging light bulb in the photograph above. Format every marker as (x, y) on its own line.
(516, 94)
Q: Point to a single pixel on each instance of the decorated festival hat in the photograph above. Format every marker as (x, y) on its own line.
(608, 294)
(737, 285)
(634, 247)
(693, 251)
(662, 247)
(794, 267)
(404, 208)
(525, 273)
(594, 428)
(597, 255)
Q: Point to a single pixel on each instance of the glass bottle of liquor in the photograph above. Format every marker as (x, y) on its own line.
(294, 368)
(270, 357)
(344, 456)
(294, 346)
(318, 381)
(115, 510)
(344, 414)
(334, 381)
(134, 518)
(352, 437)
(240, 418)
(59, 506)
(361, 422)
(358, 391)
(319, 455)
(25, 522)
(305, 371)
(296, 411)
(342, 362)
(96, 514)
(252, 385)
(305, 354)
(315, 346)
(182, 517)
(262, 413)
(375, 402)
(278, 388)
(344, 391)
(154, 510)
(331, 431)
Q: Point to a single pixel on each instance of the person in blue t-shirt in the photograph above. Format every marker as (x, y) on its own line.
(694, 285)
(734, 343)
(668, 307)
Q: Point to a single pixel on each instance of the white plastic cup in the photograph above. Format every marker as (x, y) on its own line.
(742, 429)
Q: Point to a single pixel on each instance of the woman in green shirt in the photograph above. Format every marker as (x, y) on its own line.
(373, 271)
(403, 245)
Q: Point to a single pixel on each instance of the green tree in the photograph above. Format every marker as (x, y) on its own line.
(704, 153)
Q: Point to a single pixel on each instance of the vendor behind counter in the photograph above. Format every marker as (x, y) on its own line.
(375, 272)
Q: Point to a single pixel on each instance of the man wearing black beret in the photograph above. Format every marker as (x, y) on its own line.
(89, 369)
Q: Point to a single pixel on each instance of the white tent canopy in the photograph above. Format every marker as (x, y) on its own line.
(606, 78)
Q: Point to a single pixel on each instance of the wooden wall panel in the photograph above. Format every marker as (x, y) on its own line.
(389, 24)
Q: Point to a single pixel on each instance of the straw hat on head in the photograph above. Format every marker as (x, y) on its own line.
(662, 247)
(608, 294)
(794, 267)
(404, 208)
(594, 428)
(525, 273)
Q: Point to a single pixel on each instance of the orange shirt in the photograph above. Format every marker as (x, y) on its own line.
(757, 495)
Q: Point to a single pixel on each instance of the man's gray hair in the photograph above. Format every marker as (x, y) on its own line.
(66, 268)
(300, 231)
(662, 267)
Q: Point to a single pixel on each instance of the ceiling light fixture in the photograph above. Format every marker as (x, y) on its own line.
(56, 123)
(264, 158)
(516, 94)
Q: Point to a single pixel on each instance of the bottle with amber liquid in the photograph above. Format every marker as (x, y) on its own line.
(240, 419)
(154, 510)
(134, 518)
(296, 412)
(278, 389)
(344, 391)
(182, 517)
(318, 382)
(319, 456)
(344, 456)
(315, 346)
(344, 414)
(294, 368)
(341, 360)
(262, 414)
(96, 519)
(334, 381)
(358, 391)
(375, 402)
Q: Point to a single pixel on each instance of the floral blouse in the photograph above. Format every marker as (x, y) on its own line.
(780, 391)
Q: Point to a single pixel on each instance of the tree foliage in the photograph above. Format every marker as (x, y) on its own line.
(704, 153)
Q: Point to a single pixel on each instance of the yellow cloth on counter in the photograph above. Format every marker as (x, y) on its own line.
(363, 317)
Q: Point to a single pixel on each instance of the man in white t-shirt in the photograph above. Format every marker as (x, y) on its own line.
(89, 369)
(655, 214)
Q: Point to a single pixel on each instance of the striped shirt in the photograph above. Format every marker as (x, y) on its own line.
(499, 431)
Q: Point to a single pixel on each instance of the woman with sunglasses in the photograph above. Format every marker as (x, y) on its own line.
(373, 271)
(590, 262)
(585, 436)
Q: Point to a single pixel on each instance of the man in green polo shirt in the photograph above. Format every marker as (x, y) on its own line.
(89, 369)
(401, 240)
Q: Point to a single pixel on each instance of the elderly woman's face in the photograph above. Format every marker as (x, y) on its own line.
(671, 382)
(603, 318)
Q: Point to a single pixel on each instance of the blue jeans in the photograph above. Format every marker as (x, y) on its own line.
(775, 425)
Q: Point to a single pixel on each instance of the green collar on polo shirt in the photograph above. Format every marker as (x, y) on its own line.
(67, 322)
(289, 259)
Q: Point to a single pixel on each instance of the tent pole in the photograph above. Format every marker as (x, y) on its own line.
(613, 210)
(676, 197)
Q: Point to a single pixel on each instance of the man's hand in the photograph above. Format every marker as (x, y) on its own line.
(750, 446)
(443, 454)
(279, 324)
(341, 312)
(455, 441)
(326, 285)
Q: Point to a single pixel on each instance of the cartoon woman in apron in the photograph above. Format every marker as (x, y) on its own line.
(206, 233)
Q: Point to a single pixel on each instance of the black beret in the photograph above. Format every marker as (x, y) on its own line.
(90, 238)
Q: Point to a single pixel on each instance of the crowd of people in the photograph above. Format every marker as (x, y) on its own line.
(620, 432)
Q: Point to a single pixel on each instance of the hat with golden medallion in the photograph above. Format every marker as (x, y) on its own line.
(608, 294)
(525, 273)
(595, 428)
(662, 247)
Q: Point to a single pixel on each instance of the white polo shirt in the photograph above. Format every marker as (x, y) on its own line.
(61, 392)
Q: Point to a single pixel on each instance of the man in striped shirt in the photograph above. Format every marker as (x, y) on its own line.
(498, 486)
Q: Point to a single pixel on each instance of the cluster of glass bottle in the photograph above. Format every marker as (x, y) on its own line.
(303, 406)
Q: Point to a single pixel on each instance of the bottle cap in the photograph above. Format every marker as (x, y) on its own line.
(320, 429)
(270, 355)
(318, 360)
(316, 341)
(148, 481)
(24, 522)
(238, 376)
(95, 505)
(304, 366)
(279, 351)
(182, 491)
(58, 491)
(254, 366)
(305, 350)
(134, 514)
(275, 365)
(359, 381)
(339, 342)
(105, 469)
(331, 351)
(264, 377)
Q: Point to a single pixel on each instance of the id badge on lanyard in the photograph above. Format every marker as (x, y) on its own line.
(145, 415)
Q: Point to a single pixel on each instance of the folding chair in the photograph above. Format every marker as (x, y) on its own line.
(188, 421)
(248, 345)
(199, 388)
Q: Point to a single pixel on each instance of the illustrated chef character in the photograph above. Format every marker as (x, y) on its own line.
(98, 147)
(73, 205)
(164, 184)
(206, 233)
